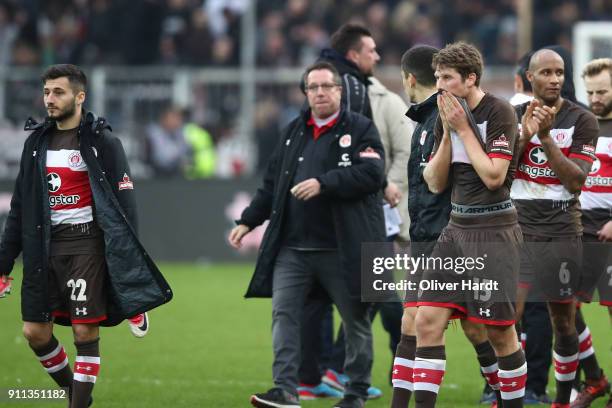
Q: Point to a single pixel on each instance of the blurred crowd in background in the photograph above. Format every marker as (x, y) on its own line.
(207, 34)
(290, 32)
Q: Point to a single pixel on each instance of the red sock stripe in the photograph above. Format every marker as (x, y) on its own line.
(401, 372)
(585, 344)
(512, 384)
(492, 379)
(87, 368)
(425, 375)
(55, 360)
(566, 368)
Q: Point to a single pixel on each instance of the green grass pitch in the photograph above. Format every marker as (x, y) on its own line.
(210, 347)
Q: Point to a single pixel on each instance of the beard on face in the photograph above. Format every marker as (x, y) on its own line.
(602, 110)
(65, 113)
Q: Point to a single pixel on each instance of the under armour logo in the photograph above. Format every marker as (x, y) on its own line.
(562, 367)
(396, 371)
(85, 368)
(422, 375)
(484, 312)
(82, 311)
(565, 292)
(512, 384)
(48, 363)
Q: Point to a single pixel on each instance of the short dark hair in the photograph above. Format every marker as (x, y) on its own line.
(348, 37)
(75, 75)
(461, 56)
(322, 65)
(417, 61)
(521, 70)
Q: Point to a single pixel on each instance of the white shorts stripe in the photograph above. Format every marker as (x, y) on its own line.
(490, 369)
(51, 354)
(424, 386)
(403, 384)
(513, 394)
(565, 359)
(522, 370)
(430, 363)
(87, 359)
(565, 377)
(585, 333)
(586, 353)
(403, 362)
(85, 378)
(58, 367)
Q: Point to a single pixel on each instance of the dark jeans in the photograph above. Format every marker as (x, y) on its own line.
(295, 274)
(319, 351)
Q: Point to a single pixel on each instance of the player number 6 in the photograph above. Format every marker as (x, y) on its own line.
(564, 273)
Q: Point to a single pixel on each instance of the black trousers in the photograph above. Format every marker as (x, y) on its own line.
(320, 352)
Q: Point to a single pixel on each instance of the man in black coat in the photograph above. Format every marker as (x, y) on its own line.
(74, 218)
(321, 192)
(353, 53)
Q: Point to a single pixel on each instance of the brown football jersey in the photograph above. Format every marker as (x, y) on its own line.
(544, 205)
(497, 125)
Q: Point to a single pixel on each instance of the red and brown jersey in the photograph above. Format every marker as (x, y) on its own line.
(497, 132)
(73, 229)
(544, 205)
(70, 197)
(596, 196)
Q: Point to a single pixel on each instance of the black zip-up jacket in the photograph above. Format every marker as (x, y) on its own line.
(429, 213)
(354, 174)
(354, 84)
(135, 283)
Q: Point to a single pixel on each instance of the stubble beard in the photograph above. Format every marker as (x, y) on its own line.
(68, 112)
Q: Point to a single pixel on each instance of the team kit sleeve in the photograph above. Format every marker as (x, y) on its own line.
(585, 136)
(502, 132)
(120, 179)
